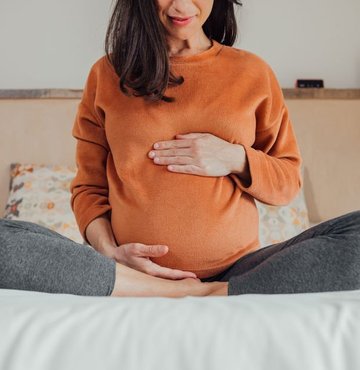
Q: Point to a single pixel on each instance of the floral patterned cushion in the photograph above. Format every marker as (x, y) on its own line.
(41, 194)
(279, 223)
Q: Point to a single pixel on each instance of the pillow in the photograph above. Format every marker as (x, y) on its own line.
(41, 194)
(279, 223)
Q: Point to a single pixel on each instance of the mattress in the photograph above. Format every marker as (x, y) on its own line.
(42, 331)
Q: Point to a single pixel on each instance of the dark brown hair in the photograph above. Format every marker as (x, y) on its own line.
(136, 46)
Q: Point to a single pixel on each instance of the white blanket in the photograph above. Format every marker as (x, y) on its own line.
(40, 331)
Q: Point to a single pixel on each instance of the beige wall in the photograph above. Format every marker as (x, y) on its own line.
(51, 44)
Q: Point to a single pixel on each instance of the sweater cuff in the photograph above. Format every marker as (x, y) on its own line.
(87, 217)
(255, 165)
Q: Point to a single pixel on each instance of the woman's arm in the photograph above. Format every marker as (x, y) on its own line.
(100, 235)
(267, 168)
(274, 159)
(89, 188)
(241, 165)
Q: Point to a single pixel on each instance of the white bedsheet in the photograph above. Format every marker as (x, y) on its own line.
(40, 331)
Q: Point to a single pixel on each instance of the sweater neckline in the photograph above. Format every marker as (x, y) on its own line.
(204, 55)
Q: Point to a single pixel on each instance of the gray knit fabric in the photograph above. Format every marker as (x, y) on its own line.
(35, 258)
(323, 258)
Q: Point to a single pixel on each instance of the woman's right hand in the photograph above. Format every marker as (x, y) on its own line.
(137, 256)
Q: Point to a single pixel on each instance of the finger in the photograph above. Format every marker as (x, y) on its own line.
(172, 144)
(177, 152)
(168, 273)
(173, 160)
(186, 168)
(192, 134)
(149, 250)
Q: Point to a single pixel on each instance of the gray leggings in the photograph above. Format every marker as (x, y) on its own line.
(325, 257)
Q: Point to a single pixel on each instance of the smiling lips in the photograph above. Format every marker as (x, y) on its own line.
(181, 21)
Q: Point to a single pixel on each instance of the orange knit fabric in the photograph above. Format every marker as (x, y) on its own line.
(207, 222)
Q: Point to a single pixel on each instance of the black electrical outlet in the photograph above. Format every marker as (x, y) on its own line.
(309, 83)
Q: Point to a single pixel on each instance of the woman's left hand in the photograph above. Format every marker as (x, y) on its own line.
(201, 154)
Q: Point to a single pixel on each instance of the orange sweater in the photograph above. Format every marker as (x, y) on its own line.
(207, 222)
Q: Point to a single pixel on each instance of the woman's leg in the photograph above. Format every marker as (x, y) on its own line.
(325, 257)
(35, 258)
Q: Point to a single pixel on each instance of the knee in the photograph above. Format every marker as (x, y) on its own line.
(354, 220)
(4, 223)
(355, 215)
(348, 223)
(351, 269)
(7, 225)
(7, 258)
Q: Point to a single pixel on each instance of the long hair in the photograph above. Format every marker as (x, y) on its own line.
(136, 46)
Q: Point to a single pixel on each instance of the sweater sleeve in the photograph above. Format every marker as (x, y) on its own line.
(274, 158)
(89, 188)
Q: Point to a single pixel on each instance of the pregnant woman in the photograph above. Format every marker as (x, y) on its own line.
(177, 133)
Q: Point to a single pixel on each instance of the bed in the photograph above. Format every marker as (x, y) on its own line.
(290, 331)
(303, 331)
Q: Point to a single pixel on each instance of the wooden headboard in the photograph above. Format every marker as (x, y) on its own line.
(36, 128)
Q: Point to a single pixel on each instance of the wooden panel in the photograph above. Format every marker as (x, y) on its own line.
(41, 94)
(333, 94)
(328, 133)
(76, 94)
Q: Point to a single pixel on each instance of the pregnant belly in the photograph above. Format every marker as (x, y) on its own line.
(205, 232)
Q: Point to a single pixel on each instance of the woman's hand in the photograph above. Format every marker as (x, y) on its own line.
(201, 154)
(136, 256)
